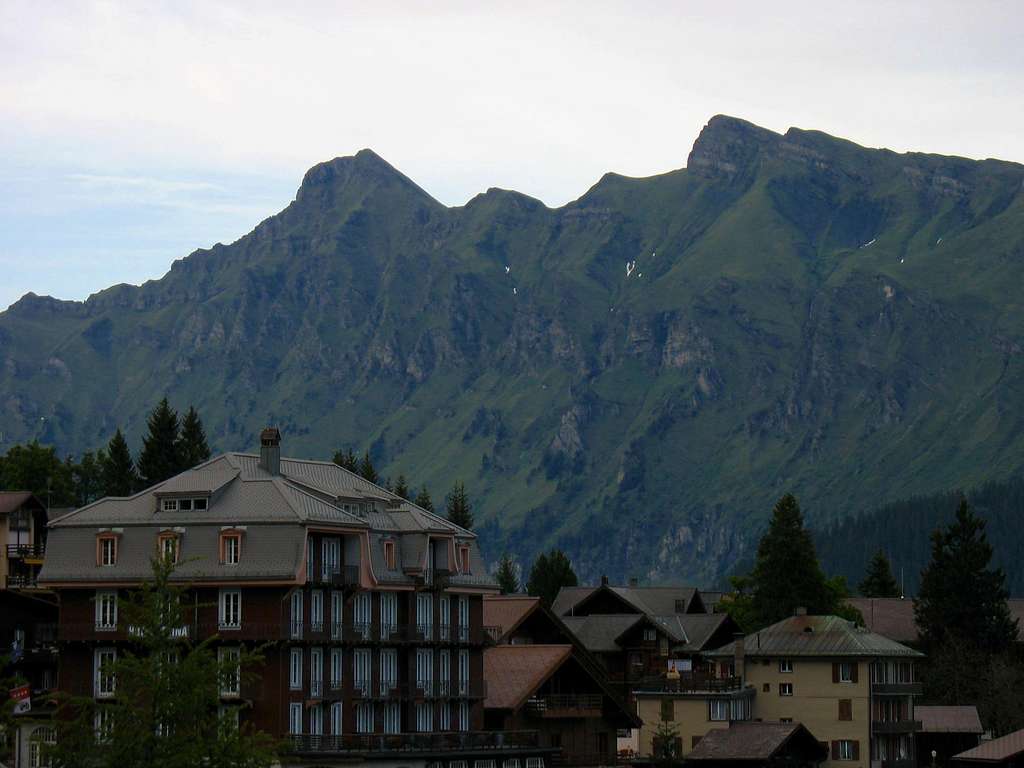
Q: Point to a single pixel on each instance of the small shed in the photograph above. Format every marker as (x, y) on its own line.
(749, 744)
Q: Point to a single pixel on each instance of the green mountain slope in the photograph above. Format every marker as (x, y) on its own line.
(635, 376)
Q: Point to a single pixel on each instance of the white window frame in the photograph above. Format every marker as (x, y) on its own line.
(108, 551)
(444, 609)
(425, 614)
(388, 670)
(845, 672)
(175, 549)
(444, 673)
(785, 666)
(337, 721)
(785, 689)
(362, 614)
(337, 614)
(232, 548)
(104, 686)
(463, 672)
(295, 718)
(463, 715)
(392, 717)
(200, 504)
(316, 720)
(316, 672)
(337, 671)
(364, 717)
(106, 610)
(230, 616)
(388, 614)
(463, 609)
(316, 611)
(445, 718)
(425, 670)
(362, 669)
(424, 716)
(845, 749)
(296, 607)
(231, 683)
(103, 722)
(295, 669)
(718, 710)
(535, 762)
(169, 505)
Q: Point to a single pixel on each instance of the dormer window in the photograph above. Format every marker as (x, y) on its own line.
(169, 546)
(199, 504)
(230, 547)
(170, 505)
(389, 555)
(195, 504)
(106, 549)
(464, 558)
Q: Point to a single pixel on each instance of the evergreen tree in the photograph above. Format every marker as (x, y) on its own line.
(507, 576)
(402, 488)
(160, 457)
(119, 475)
(347, 460)
(366, 469)
(962, 600)
(787, 574)
(549, 574)
(166, 710)
(878, 580)
(88, 477)
(192, 447)
(423, 500)
(458, 508)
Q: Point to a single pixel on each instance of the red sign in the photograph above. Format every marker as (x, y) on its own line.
(21, 692)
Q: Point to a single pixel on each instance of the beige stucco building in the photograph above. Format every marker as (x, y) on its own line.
(854, 690)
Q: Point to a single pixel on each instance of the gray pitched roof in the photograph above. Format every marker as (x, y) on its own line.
(755, 741)
(273, 507)
(948, 719)
(600, 632)
(822, 636)
(656, 601)
(691, 631)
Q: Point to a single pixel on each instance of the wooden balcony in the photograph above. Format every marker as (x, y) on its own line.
(897, 689)
(688, 683)
(895, 726)
(566, 706)
(26, 552)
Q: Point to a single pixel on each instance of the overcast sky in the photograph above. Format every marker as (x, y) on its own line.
(132, 133)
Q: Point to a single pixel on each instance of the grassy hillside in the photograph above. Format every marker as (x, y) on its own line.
(635, 376)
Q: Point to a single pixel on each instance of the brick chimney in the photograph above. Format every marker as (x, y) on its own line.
(270, 450)
(739, 657)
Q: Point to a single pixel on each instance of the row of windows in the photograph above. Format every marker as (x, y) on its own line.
(105, 684)
(196, 504)
(169, 547)
(449, 717)
(362, 669)
(229, 609)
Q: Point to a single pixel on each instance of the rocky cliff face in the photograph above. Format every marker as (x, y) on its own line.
(634, 377)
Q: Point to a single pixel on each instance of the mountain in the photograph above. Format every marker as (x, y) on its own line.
(635, 376)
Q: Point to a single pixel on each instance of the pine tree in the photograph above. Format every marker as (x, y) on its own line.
(347, 460)
(88, 477)
(787, 574)
(962, 600)
(423, 500)
(878, 580)
(366, 469)
(160, 458)
(402, 488)
(506, 576)
(458, 508)
(192, 446)
(549, 574)
(119, 475)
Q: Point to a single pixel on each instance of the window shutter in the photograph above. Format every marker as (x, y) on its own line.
(835, 747)
(853, 672)
(845, 709)
(835, 673)
(856, 748)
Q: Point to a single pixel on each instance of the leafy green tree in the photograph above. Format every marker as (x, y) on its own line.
(458, 508)
(366, 469)
(507, 575)
(423, 500)
(402, 488)
(878, 580)
(551, 571)
(165, 709)
(161, 456)
(37, 468)
(87, 476)
(119, 475)
(346, 460)
(961, 598)
(786, 573)
(665, 744)
(739, 602)
(192, 446)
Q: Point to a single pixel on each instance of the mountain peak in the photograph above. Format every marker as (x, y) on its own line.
(727, 144)
(364, 170)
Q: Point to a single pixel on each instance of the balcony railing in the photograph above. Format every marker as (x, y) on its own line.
(895, 726)
(459, 742)
(566, 705)
(22, 581)
(897, 689)
(688, 684)
(20, 551)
